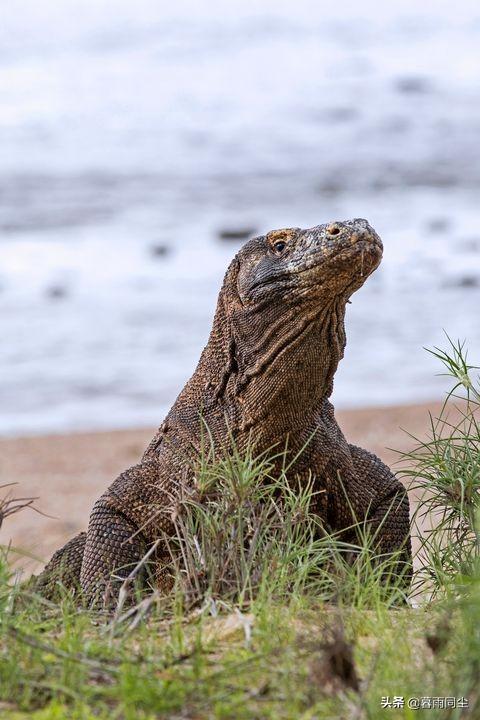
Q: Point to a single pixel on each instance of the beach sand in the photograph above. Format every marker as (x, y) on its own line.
(67, 473)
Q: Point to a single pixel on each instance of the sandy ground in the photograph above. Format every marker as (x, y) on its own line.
(68, 472)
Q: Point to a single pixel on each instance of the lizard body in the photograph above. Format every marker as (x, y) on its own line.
(266, 373)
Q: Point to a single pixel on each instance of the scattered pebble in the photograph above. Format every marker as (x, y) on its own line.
(469, 281)
(56, 292)
(340, 114)
(412, 85)
(330, 187)
(236, 233)
(160, 250)
(439, 224)
(465, 281)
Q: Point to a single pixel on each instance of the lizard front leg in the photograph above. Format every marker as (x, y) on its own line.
(120, 532)
(63, 569)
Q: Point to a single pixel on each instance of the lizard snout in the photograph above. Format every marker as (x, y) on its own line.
(362, 230)
(354, 231)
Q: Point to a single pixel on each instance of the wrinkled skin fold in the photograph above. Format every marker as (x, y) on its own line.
(267, 372)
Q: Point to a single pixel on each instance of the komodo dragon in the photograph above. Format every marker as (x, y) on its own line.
(266, 373)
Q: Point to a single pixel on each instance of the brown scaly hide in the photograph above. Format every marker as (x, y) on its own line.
(266, 373)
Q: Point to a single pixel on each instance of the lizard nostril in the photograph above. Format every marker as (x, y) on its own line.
(333, 230)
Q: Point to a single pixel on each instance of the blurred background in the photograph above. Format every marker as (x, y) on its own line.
(140, 145)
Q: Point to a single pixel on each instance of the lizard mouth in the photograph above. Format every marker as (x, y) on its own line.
(361, 246)
(355, 245)
(358, 259)
(344, 271)
(362, 253)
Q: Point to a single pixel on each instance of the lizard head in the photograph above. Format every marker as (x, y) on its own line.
(314, 266)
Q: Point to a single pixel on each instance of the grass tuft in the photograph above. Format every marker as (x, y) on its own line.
(247, 533)
(444, 471)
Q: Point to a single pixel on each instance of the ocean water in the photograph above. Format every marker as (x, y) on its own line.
(132, 135)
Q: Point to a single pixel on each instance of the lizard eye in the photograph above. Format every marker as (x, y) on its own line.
(279, 246)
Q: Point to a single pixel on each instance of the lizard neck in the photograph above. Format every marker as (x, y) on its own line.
(265, 382)
(283, 386)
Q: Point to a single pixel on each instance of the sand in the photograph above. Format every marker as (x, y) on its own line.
(67, 473)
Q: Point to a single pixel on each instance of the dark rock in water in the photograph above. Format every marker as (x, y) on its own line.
(436, 177)
(57, 292)
(413, 85)
(469, 281)
(439, 224)
(330, 187)
(465, 281)
(470, 244)
(160, 250)
(236, 234)
(340, 114)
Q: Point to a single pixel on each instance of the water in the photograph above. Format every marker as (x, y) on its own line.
(132, 134)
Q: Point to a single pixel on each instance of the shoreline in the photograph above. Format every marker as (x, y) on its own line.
(68, 472)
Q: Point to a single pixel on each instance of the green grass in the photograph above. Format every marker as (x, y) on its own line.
(271, 618)
(278, 660)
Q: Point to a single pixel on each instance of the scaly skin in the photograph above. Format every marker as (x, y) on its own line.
(266, 373)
